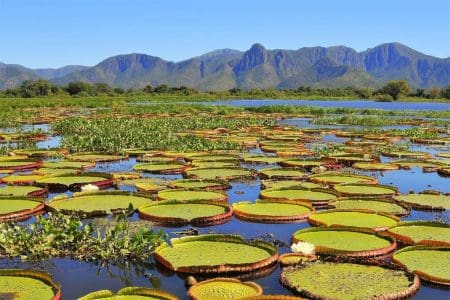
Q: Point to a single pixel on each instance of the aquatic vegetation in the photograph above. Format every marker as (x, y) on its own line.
(19, 208)
(220, 173)
(304, 248)
(425, 201)
(345, 241)
(280, 211)
(281, 184)
(223, 288)
(430, 263)
(353, 218)
(131, 292)
(329, 280)
(354, 189)
(22, 191)
(341, 178)
(189, 195)
(282, 173)
(421, 232)
(215, 254)
(379, 205)
(74, 182)
(160, 168)
(194, 184)
(26, 284)
(316, 196)
(375, 166)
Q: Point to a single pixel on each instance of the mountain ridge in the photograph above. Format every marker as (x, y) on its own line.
(256, 67)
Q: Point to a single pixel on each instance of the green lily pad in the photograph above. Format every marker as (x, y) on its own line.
(282, 173)
(72, 181)
(375, 166)
(189, 195)
(354, 218)
(67, 164)
(425, 201)
(56, 172)
(220, 173)
(18, 208)
(263, 211)
(407, 154)
(329, 280)
(345, 241)
(130, 293)
(180, 213)
(198, 184)
(261, 159)
(365, 190)
(27, 284)
(163, 168)
(315, 196)
(430, 263)
(215, 253)
(224, 288)
(283, 184)
(95, 157)
(213, 164)
(19, 164)
(378, 205)
(302, 163)
(99, 203)
(422, 232)
(22, 179)
(22, 191)
(339, 178)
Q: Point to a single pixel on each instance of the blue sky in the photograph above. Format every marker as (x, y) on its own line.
(52, 33)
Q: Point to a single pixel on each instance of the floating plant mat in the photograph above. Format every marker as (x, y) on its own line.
(282, 184)
(213, 164)
(18, 208)
(160, 168)
(224, 288)
(27, 284)
(338, 178)
(330, 280)
(379, 205)
(421, 232)
(406, 154)
(353, 218)
(22, 179)
(56, 172)
(220, 173)
(425, 201)
(261, 159)
(100, 203)
(41, 152)
(130, 293)
(188, 195)
(67, 164)
(354, 242)
(213, 157)
(263, 211)
(282, 173)
(96, 157)
(302, 163)
(22, 191)
(193, 184)
(365, 190)
(156, 159)
(182, 213)
(215, 253)
(406, 164)
(375, 166)
(316, 196)
(430, 263)
(290, 259)
(71, 181)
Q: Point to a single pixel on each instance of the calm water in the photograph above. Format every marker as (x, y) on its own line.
(79, 278)
(363, 104)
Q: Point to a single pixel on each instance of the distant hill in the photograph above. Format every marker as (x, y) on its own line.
(257, 67)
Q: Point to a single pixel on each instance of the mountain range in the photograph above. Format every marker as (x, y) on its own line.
(257, 67)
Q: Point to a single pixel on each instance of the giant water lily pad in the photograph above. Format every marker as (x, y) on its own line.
(56, 172)
(379, 205)
(182, 213)
(160, 168)
(18, 165)
(74, 182)
(27, 284)
(282, 173)
(22, 191)
(19, 208)
(365, 190)
(425, 201)
(302, 163)
(27, 179)
(421, 232)
(330, 280)
(189, 195)
(354, 218)
(317, 196)
(407, 154)
(100, 203)
(214, 253)
(220, 173)
(130, 293)
(224, 288)
(198, 184)
(375, 166)
(213, 157)
(264, 211)
(95, 157)
(352, 242)
(430, 263)
(339, 178)
(213, 164)
(282, 184)
(261, 159)
(67, 164)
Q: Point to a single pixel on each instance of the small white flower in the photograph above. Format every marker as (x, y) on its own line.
(303, 247)
(89, 188)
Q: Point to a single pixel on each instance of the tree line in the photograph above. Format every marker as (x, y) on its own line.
(392, 90)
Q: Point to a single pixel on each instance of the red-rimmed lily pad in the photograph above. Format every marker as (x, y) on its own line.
(282, 184)
(75, 182)
(316, 196)
(130, 293)
(20, 165)
(282, 173)
(199, 184)
(189, 195)
(28, 284)
(224, 288)
(220, 173)
(421, 232)
(160, 168)
(370, 190)
(425, 201)
(19, 208)
(266, 211)
(340, 178)
(23, 191)
(383, 205)
(215, 253)
(95, 157)
(373, 166)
